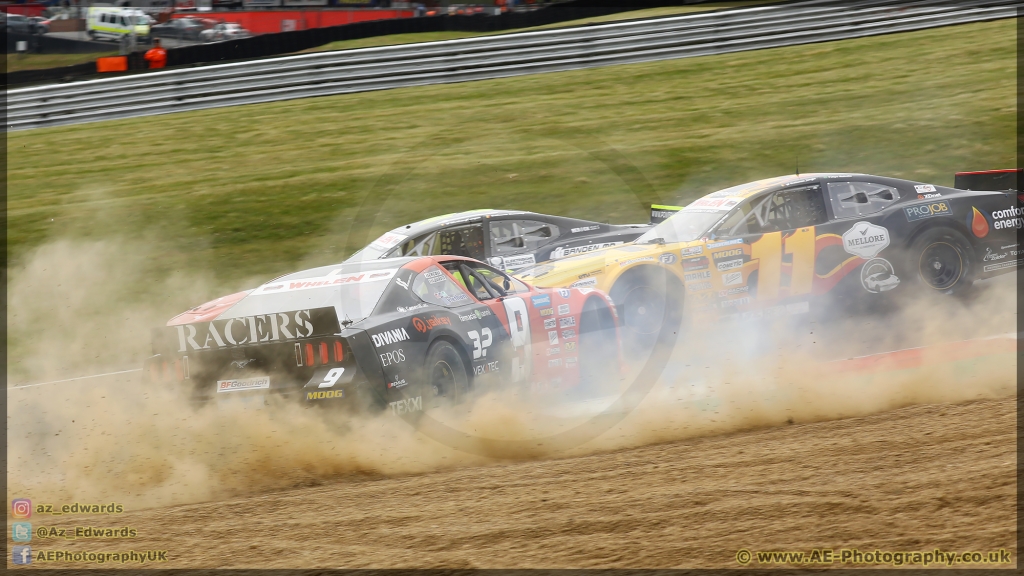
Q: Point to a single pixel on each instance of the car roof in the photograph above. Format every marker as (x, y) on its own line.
(469, 216)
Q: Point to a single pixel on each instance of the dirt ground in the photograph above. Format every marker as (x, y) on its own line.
(919, 478)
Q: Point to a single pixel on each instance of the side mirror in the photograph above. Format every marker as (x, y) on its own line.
(506, 283)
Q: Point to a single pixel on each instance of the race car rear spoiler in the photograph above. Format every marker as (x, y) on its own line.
(660, 213)
(990, 180)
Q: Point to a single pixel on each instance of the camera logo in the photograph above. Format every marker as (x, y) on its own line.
(21, 508)
(21, 554)
(21, 531)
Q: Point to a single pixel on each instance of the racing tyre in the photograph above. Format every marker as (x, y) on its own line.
(598, 349)
(646, 299)
(941, 259)
(446, 379)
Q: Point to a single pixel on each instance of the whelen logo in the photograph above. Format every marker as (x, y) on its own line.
(390, 337)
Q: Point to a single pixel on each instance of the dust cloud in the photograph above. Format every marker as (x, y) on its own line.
(75, 310)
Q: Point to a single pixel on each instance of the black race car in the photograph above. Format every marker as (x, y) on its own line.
(509, 240)
(804, 243)
(400, 333)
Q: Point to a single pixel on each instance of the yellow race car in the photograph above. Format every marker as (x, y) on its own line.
(785, 245)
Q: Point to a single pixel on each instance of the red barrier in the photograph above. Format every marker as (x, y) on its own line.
(112, 64)
(270, 21)
(23, 9)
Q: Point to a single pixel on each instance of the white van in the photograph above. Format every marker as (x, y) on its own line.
(112, 23)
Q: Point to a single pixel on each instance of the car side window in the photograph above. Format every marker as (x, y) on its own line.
(856, 199)
(465, 241)
(434, 286)
(509, 236)
(419, 246)
(795, 208)
(483, 281)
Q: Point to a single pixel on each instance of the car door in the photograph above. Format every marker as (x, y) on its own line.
(857, 235)
(763, 254)
(504, 297)
(514, 243)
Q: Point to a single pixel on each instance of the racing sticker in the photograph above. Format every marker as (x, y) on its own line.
(434, 276)
(729, 264)
(878, 275)
(387, 241)
(730, 253)
(866, 240)
(514, 262)
(406, 405)
(561, 252)
(717, 204)
(1002, 265)
(541, 301)
(584, 283)
(567, 334)
(920, 211)
(584, 229)
(635, 260)
(563, 309)
(1008, 218)
(547, 311)
(697, 276)
(332, 279)
(252, 329)
(698, 286)
(700, 263)
(667, 259)
(732, 278)
(978, 223)
(239, 384)
(567, 322)
(550, 324)
(922, 188)
(553, 337)
(564, 293)
(691, 251)
(724, 243)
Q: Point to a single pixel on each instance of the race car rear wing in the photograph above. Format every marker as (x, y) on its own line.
(660, 213)
(990, 180)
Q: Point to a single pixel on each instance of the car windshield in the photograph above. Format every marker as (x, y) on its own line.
(686, 225)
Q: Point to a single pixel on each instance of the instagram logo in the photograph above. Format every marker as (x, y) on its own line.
(21, 508)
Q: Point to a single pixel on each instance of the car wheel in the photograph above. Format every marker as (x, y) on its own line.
(598, 349)
(91, 35)
(941, 259)
(647, 299)
(445, 377)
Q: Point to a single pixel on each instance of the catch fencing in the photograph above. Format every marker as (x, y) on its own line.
(487, 57)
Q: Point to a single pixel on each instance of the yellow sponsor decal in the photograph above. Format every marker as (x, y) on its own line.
(323, 394)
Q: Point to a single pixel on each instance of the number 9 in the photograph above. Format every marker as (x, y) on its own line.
(332, 377)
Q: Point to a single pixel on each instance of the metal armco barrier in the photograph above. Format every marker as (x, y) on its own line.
(505, 55)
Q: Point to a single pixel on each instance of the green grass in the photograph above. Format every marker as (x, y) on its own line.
(253, 191)
(17, 62)
(434, 36)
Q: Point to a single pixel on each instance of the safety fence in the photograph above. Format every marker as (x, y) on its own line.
(275, 44)
(497, 56)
